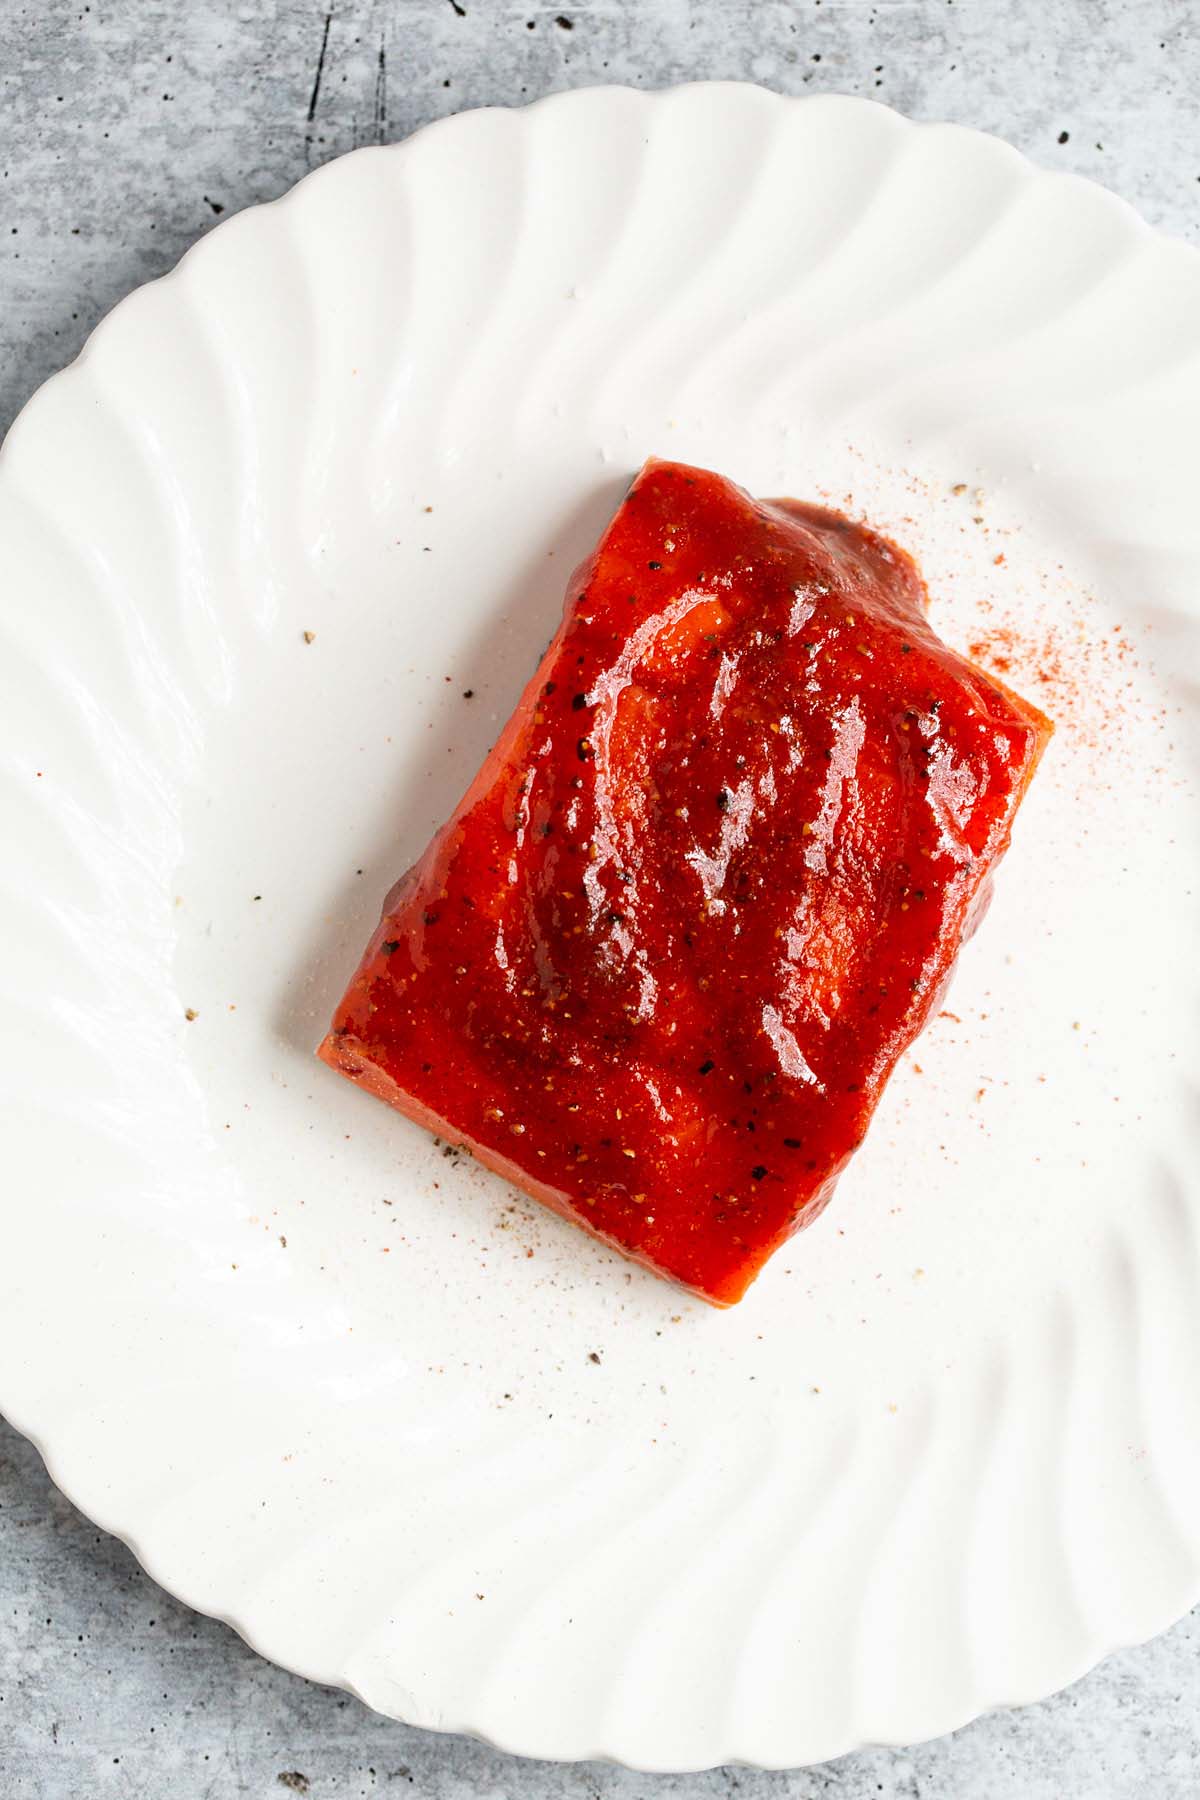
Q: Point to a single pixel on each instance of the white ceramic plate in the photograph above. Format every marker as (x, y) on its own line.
(339, 1387)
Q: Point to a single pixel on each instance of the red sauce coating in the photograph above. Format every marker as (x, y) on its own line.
(707, 887)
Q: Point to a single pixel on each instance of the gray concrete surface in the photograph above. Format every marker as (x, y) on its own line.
(126, 129)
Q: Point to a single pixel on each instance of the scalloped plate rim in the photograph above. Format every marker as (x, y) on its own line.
(41, 1433)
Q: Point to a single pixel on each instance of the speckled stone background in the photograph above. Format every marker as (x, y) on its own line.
(126, 129)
